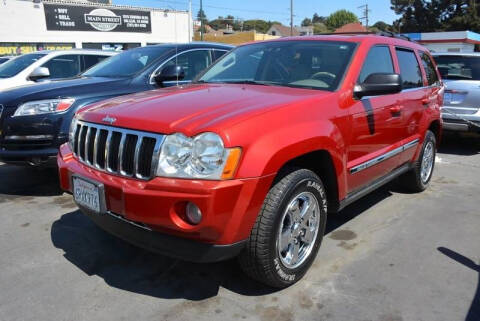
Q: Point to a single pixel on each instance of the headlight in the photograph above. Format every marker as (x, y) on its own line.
(200, 157)
(44, 107)
(71, 132)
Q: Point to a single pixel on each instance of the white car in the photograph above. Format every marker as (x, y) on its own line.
(42, 65)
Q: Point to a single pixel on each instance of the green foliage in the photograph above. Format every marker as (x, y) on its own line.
(320, 28)
(436, 15)
(340, 18)
(381, 26)
(318, 19)
(260, 26)
(222, 22)
(306, 22)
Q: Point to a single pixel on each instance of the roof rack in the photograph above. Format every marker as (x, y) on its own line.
(380, 33)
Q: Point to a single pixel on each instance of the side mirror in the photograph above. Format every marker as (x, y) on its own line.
(379, 84)
(39, 73)
(170, 73)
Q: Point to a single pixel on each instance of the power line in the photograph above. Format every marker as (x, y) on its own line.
(365, 13)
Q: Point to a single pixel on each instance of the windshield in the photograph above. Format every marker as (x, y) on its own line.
(127, 63)
(17, 65)
(459, 67)
(302, 64)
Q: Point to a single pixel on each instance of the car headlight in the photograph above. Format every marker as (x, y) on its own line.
(71, 132)
(44, 107)
(201, 157)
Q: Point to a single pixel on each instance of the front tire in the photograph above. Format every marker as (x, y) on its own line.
(288, 231)
(418, 179)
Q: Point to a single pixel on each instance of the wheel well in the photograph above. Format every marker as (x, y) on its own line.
(435, 128)
(320, 162)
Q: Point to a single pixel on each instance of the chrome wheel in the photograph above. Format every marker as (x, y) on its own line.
(427, 162)
(298, 230)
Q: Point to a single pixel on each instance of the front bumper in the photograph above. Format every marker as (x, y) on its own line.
(150, 213)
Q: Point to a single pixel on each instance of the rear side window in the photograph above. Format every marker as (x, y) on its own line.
(92, 60)
(379, 60)
(63, 66)
(430, 70)
(218, 54)
(409, 69)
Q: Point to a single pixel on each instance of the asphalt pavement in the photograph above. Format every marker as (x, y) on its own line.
(391, 256)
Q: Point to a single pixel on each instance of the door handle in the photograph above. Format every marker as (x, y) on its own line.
(396, 109)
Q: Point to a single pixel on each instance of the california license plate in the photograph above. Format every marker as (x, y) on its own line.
(88, 194)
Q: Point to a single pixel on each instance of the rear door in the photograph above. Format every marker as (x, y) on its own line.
(414, 99)
(376, 126)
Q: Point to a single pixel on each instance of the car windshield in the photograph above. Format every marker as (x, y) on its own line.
(17, 65)
(458, 67)
(127, 63)
(302, 64)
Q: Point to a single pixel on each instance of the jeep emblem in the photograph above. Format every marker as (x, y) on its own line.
(109, 120)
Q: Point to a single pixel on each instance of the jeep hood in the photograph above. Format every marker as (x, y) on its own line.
(195, 108)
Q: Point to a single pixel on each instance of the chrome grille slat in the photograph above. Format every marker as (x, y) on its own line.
(105, 149)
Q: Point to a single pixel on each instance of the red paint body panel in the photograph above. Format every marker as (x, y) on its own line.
(272, 125)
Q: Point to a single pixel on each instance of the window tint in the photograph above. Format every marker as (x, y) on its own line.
(18, 64)
(192, 62)
(429, 67)
(459, 67)
(217, 54)
(63, 66)
(92, 60)
(409, 69)
(379, 60)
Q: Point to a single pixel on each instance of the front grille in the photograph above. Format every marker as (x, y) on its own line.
(115, 150)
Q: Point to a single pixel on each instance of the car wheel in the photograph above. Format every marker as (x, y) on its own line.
(288, 231)
(418, 179)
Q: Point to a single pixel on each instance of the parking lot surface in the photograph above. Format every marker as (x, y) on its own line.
(391, 256)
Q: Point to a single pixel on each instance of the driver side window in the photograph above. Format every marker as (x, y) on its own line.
(379, 60)
(192, 62)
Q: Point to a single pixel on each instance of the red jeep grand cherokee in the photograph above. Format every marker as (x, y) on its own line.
(248, 160)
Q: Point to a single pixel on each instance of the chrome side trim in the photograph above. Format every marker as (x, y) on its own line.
(384, 157)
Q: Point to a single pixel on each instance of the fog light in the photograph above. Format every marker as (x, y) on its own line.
(194, 215)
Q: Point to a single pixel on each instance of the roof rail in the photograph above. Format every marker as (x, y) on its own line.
(380, 33)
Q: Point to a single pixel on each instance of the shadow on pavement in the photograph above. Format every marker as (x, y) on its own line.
(460, 144)
(29, 181)
(129, 268)
(474, 312)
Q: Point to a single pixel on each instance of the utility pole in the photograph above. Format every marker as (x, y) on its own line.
(365, 13)
(201, 20)
(190, 20)
(291, 17)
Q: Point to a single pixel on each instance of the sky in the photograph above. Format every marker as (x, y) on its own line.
(274, 10)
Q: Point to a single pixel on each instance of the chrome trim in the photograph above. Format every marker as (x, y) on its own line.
(1, 110)
(29, 137)
(159, 138)
(384, 157)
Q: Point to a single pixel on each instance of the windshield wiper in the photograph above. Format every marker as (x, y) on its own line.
(247, 82)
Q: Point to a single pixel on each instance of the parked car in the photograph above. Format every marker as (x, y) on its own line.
(36, 119)
(461, 75)
(42, 65)
(248, 160)
(4, 59)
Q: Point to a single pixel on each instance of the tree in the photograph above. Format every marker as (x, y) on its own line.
(201, 15)
(382, 26)
(318, 19)
(320, 28)
(340, 18)
(260, 26)
(306, 22)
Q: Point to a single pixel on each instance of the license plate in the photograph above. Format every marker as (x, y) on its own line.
(88, 194)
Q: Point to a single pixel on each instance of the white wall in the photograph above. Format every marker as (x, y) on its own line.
(24, 22)
(452, 47)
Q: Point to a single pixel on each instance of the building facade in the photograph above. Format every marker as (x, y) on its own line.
(451, 41)
(27, 26)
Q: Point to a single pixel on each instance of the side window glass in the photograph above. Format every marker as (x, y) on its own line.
(92, 60)
(192, 62)
(379, 60)
(217, 54)
(429, 67)
(409, 69)
(63, 66)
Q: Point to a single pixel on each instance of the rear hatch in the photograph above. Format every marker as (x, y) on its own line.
(461, 74)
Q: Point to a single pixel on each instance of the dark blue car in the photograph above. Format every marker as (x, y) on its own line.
(34, 120)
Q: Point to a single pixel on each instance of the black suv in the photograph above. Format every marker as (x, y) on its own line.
(34, 120)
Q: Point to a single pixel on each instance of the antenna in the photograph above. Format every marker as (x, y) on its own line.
(365, 13)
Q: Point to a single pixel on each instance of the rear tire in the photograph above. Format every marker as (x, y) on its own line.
(288, 231)
(418, 179)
